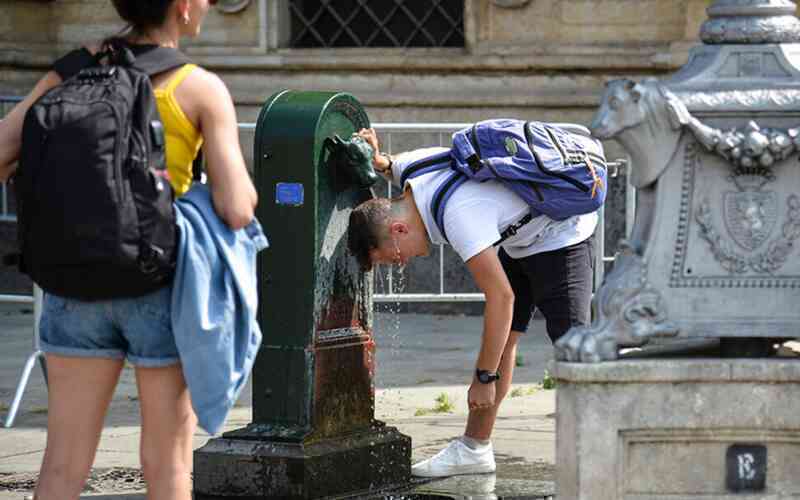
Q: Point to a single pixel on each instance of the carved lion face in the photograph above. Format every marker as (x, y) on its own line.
(620, 109)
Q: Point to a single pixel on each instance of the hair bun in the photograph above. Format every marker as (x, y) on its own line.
(143, 14)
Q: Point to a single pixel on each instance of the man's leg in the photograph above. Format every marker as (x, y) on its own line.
(473, 453)
(481, 422)
(566, 298)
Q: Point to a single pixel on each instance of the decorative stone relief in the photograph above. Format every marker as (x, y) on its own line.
(751, 150)
(628, 312)
(754, 220)
(750, 216)
(751, 22)
(777, 99)
(751, 212)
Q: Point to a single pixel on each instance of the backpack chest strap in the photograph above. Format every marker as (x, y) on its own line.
(513, 229)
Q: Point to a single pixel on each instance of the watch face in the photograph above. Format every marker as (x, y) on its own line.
(486, 377)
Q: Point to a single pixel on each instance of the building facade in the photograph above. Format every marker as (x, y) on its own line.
(405, 60)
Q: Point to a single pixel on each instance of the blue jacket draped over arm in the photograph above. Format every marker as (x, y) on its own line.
(214, 305)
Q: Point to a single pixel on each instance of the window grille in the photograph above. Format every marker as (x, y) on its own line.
(376, 23)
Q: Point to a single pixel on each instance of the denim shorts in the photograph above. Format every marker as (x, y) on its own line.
(139, 329)
(557, 283)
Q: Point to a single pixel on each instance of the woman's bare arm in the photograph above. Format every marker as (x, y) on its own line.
(11, 125)
(232, 191)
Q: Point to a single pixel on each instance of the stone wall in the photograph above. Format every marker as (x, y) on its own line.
(544, 59)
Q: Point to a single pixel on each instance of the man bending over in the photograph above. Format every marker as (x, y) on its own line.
(545, 265)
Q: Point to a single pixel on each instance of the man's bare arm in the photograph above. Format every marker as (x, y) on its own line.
(491, 279)
(381, 162)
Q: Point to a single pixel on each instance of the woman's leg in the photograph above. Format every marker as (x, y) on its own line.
(168, 423)
(79, 392)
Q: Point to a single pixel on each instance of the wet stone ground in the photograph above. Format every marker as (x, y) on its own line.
(513, 481)
(116, 479)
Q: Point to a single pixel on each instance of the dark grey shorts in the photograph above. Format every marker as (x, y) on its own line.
(557, 283)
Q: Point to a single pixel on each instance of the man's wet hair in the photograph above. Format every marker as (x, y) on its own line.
(366, 229)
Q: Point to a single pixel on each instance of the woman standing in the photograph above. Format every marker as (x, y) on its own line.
(86, 343)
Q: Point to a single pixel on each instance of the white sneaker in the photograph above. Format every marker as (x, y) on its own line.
(457, 458)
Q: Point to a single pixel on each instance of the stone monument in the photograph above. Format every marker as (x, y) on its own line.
(713, 255)
(313, 432)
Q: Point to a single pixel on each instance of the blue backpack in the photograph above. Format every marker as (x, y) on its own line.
(559, 173)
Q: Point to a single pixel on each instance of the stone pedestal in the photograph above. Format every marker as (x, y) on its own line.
(678, 429)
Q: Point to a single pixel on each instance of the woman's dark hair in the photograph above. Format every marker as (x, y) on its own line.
(143, 14)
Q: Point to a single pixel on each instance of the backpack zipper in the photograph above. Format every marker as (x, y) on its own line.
(561, 176)
(118, 158)
(473, 139)
(559, 147)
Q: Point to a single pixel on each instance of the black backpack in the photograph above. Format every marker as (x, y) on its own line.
(94, 203)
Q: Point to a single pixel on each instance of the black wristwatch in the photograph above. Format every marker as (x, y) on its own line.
(388, 167)
(486, 377)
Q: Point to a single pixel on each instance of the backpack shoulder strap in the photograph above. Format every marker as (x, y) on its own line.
(149, 59)
(442, 196)
(73, 62)
(426, 165)
(156, 60)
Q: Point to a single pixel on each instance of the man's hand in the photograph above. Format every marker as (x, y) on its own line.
(480, 396)
(379, 161)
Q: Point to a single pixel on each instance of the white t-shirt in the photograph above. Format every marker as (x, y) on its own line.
(477, 212)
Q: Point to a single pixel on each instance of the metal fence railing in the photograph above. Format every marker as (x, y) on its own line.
(6, 103)
(397, 137)
(6, 214)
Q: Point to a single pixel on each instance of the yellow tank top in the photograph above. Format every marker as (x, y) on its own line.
(183, 139)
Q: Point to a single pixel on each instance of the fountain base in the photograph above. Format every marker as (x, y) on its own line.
(250, 467)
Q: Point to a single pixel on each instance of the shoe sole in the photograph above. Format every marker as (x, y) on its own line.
(461, 471)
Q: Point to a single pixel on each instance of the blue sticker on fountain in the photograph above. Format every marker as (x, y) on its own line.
(289, 193)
